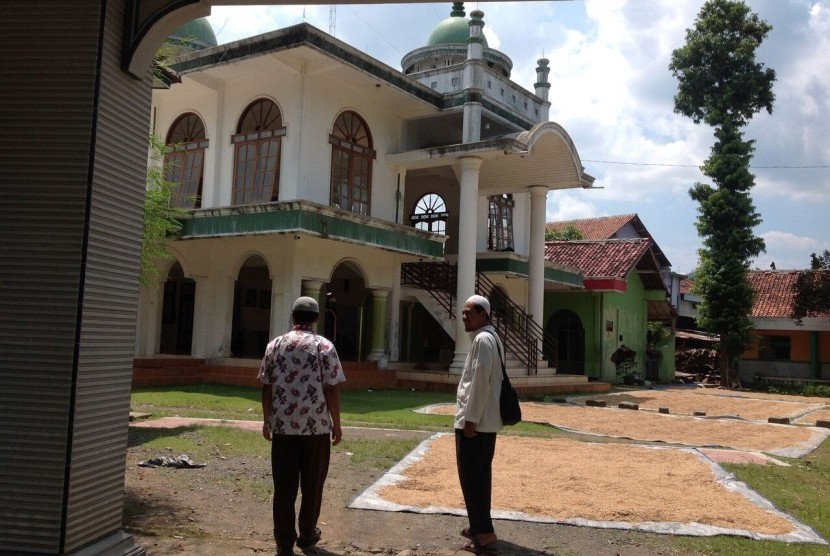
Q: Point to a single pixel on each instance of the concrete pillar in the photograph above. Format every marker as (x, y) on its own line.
(395, 315)
(377, 344)
(467, 227)
(312, 288)
(536, 254)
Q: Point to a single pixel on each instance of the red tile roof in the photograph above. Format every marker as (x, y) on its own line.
(607, 227)
(686, 285)
(611, 258)
(774, 292)
(604, 227)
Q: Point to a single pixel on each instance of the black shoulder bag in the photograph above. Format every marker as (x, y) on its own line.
(511, 411)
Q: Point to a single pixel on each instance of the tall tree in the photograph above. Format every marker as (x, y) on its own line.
(721, 84)
(161, 217)
(812, 289)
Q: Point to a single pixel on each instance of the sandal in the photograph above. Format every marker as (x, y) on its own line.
(465, 532)
(476, 548)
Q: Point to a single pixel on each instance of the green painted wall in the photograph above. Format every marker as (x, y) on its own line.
(583, 304)
(610, 320)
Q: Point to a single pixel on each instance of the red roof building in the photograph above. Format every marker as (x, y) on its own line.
(784, 349)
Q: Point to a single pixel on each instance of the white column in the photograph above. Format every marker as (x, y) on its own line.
(395, 317)
(377, 343)
(467, 227)
(311, 288)
(536, 254)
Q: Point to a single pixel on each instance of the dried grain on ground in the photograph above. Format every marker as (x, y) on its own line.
(566, 479)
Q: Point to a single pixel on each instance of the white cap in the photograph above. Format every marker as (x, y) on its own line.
(481, 301)
(308, 304)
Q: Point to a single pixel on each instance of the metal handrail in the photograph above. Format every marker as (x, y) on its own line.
(526, 337)
(439, 279)
(522, 336)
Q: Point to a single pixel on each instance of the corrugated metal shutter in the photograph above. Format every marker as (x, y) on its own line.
(65, 360)
(43, 168)
(103, 384)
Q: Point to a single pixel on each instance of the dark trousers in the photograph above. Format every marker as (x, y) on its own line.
(474, 458)
(298, 461)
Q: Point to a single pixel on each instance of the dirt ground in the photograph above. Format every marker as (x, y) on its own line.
(224, 508)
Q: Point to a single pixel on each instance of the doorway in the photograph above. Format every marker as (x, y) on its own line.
(177, 313)
(566, 327)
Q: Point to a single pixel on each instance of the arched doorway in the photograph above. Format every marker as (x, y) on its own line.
(251, 309)
(567, 328)
(346, 316)
(177, 313)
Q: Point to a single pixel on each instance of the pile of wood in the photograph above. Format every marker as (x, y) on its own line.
(700, 363)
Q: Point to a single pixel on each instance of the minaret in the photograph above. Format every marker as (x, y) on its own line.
(473, 75)
(542, 86)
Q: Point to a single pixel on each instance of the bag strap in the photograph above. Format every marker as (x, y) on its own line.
(501, 360)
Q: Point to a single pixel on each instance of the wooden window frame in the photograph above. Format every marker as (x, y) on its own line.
(258, 139)
(184, 161)
(351, 164)
(500, 222)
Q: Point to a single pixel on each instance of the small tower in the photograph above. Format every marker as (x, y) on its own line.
(473, 76)
(542, 87)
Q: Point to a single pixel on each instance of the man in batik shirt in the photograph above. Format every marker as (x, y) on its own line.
(300, 374)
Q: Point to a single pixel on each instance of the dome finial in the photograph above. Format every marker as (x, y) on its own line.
(457, 9)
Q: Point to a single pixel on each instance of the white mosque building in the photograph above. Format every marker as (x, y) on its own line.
(310, 168)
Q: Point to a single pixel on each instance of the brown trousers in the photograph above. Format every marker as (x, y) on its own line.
(298, 461)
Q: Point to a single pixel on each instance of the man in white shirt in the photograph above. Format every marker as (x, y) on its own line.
(477, 420)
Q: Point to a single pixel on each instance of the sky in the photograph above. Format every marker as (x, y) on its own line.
(612, 91)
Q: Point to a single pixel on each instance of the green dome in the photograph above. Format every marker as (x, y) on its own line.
(453, 30)
(196, 34)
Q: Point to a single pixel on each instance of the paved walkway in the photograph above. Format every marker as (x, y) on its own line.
(140, 421)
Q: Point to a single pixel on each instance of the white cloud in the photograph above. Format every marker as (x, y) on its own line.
(567, 205)
(611, 89)
(788, 250)
(232, 23)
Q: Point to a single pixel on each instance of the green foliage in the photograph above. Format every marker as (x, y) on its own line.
(812, 289)
(376, 454)
(820, 262)
(721, 84)
(795, 387)
(161, 218)
(658, 334)
(568, 233)
(211, 401)
(719, 78)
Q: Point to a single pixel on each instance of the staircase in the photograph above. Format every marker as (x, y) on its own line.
(434, 285)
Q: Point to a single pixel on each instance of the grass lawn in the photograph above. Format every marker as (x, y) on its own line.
(802, 490)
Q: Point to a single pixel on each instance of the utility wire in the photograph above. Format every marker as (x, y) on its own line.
(784, 167)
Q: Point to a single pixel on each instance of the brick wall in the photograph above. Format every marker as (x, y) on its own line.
(360, 375)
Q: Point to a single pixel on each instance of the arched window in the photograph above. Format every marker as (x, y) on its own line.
(430, 214)
(257, 145)
(184, 162)
(500, 237)
(351, 163)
